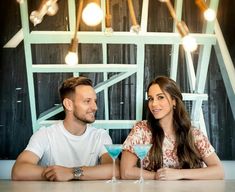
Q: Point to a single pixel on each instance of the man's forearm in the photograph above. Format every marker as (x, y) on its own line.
(27, 172)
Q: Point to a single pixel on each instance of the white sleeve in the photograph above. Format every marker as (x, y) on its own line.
(38, 142)
(105, 139)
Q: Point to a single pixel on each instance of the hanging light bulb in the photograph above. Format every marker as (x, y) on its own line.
(49, 7)
(209, 14)
(189, 43)
(108, 31)
(108, 20)
(52, 7)
(72, 56)
(135, 29)
(20, 1)
(36, 17)
(92, 14)
(135, 26)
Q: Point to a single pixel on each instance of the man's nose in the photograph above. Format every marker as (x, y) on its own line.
(94, 106)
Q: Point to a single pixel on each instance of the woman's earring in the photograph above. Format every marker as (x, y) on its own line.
(174, 107)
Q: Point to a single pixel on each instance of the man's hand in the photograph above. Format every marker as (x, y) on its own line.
(58, 173)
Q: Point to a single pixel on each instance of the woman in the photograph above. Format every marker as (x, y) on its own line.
(178, 150)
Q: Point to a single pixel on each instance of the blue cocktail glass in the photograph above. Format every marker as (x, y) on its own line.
(114, 150)
(141, 150)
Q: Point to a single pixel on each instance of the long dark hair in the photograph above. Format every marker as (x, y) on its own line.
(187, 154)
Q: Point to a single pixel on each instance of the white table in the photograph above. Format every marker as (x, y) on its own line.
(123, 186)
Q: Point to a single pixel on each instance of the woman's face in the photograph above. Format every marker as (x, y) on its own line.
(160, 103)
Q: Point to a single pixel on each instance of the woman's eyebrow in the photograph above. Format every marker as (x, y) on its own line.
(156, 95)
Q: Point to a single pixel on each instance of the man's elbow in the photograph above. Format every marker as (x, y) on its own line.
(17, 173)
(15, 176)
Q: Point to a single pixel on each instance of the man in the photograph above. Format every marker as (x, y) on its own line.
(71, 149)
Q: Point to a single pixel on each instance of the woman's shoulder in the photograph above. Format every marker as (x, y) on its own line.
(202, 142)
(141, 128)
(140, 133)
(143, 125)
(197, 132)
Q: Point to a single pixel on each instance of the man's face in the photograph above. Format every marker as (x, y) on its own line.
(84, 104)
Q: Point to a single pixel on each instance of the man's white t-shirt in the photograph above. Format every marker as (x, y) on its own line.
(54, 145)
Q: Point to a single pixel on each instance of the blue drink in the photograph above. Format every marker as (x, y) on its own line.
(141, 150)
(114, 150)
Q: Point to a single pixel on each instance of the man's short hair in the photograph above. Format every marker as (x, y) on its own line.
(68, 86)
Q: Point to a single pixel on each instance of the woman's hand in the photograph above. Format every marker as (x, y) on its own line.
(168, 174)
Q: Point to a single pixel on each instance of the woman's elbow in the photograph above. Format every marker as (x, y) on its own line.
(219, 173)
(125, 173)
(222, 173)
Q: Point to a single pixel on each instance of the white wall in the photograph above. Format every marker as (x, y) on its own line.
(5, 168)
(229, 168)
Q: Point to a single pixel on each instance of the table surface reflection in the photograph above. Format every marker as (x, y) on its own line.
(122, 186)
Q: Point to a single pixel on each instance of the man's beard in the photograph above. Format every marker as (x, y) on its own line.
(84, 120)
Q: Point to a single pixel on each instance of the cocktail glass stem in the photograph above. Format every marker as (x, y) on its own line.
(141, 171)
(114, 178)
